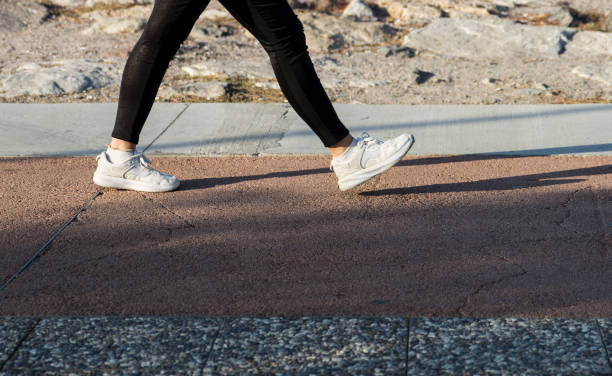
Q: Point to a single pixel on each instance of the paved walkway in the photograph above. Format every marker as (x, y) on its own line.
(304, 346)
(499, 222)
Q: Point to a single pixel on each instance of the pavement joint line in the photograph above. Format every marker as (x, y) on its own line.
(187, 223)
(28, 263)
(407, 344)
(187, 105)
(18, 345)
(55, 235)
(603, 341)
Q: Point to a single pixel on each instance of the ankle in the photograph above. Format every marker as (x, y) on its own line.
(122, 145)
(341, 146)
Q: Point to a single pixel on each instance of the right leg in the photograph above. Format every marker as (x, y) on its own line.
(120, 166)
(168, 26)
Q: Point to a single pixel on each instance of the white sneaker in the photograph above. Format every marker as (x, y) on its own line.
(134, 173)
(367, 157)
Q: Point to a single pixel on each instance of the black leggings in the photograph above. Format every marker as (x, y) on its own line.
(277, 29)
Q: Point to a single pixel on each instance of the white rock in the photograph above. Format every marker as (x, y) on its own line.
(214, 15)
(90, 3)
(225, 69)
(364, 84)
(488, 39)
(551, 15)
(359, 10)
(404, 12)
(59, 77)
(597, 72)
(17, 15)
(589, 43)
(208, 90)
(116, 25)
(268, 85)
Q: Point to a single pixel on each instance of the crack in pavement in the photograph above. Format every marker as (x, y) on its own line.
(468, 298)
(183, 219)
(568, 213)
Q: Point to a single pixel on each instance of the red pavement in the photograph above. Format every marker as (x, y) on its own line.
(267, 236)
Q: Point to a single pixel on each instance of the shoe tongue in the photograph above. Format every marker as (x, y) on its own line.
(119, 156)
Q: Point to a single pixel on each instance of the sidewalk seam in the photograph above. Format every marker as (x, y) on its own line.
(225, 325)
(608, 358)
(407, 344)
(187, 105)
(38, 320)
(40, 251)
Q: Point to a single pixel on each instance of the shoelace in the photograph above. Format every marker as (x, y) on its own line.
(143, 161)
(363, 141)
(366, 139)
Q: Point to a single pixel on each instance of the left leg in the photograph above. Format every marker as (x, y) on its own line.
(281, 34)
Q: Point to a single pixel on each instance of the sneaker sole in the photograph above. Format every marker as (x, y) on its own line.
(121, 183)
(361, 177)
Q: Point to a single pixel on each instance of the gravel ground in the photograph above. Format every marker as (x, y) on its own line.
(449, 79)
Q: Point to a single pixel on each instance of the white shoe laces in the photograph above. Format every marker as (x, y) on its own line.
(142, 161)
(363, 141)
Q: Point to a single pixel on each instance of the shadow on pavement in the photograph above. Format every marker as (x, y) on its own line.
(289, 243)
(497, 184)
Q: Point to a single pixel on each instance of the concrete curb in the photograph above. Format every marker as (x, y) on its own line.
(275, 129)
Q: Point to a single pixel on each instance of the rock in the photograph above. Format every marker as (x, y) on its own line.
(117, 25)
(359, 10)
(336, 41)
(555, 15)
(225, 69)
(324, 61)
(407, 12)
(420, 77)
(208, 90)
(212, 29)
(486, 39)
(15, 16)
(590, 43)
(364, 84)
(387, 51)
(372, 33)
(91, 3)
(597, 72)
(268, 85)
(326, 33)
(214, 15)
(490, 81)
(122, 21)
(59, 77)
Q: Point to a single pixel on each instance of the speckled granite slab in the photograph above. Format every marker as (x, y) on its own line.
(605, 325)
(506, 346)
(12, 331)
(311, 346)
(115, 345)
(303, 346)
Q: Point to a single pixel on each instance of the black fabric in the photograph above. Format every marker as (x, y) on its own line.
(277, 29)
